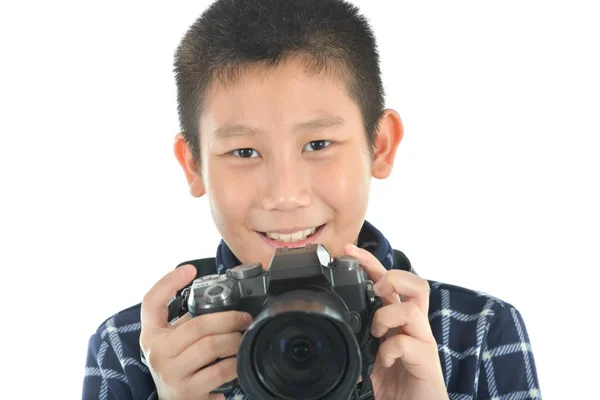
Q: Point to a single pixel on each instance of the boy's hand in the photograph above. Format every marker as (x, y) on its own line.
(178, 355)
(407, 366)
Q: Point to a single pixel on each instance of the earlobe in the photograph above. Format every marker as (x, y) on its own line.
(388, 138)
(186, 160)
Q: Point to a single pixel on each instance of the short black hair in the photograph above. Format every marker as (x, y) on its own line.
(330, 35)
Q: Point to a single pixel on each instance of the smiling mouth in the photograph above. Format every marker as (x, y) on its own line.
(294, 236)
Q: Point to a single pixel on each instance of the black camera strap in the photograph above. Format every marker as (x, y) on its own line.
(365, 389)
(208, 266)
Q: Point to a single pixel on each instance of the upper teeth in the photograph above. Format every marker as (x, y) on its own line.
(291, 237)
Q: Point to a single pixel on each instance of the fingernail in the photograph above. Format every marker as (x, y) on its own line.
(247, 318)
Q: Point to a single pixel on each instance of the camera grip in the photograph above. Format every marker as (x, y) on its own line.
(228, 386)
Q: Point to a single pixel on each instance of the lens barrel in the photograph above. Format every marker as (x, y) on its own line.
(300, 346)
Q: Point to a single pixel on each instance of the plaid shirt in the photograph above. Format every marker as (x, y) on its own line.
(482, 341)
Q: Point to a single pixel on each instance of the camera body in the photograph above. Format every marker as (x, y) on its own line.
(310, 337)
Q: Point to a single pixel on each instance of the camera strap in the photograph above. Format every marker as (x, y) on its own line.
(365, 390)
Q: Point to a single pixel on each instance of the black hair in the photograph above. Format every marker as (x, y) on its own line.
(231, 35)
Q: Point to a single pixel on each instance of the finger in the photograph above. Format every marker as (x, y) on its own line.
(214, 376)
(411, 287)
(180, 321)
(368, 261)
(419, 358)
(208, 324)
(207, 350)
(373, 268)
(214, 396)
(402, 315)
(154, 311)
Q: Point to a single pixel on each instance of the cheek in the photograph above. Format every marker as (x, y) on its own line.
(346, 185)
(228, 203)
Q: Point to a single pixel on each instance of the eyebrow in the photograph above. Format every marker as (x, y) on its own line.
(319, 123)
(229, 131)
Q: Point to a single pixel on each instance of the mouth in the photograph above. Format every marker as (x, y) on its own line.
(297, 238)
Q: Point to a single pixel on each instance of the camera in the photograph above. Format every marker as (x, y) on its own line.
(310, 338)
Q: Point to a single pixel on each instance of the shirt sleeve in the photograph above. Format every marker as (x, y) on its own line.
(104, 376)
(508, 368)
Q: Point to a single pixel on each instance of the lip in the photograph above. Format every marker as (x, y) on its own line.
(274, 244)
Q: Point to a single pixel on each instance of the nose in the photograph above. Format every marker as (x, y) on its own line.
(286, 187)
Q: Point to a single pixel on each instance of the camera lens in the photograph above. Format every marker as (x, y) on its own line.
(299, 360)
(304, 354)
(300, 347)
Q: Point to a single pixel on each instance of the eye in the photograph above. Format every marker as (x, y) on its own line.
(316, 145)
(245, 153)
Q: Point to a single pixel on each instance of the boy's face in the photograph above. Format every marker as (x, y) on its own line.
(285, 161)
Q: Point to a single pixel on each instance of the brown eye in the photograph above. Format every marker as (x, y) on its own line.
(316, 145)
(245, 153)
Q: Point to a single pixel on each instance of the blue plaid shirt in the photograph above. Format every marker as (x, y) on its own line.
(482, 342)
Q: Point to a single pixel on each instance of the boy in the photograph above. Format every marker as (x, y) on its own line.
(283, 126)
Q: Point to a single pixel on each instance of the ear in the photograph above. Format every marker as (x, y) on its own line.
(389, 136)
(186, 160)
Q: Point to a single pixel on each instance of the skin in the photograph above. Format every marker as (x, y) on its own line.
(284, 185)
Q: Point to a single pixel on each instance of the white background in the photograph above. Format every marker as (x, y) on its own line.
(495, 186)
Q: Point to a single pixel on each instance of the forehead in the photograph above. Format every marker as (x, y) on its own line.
(276, 97)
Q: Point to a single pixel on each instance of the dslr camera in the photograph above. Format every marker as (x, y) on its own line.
(310, 338)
